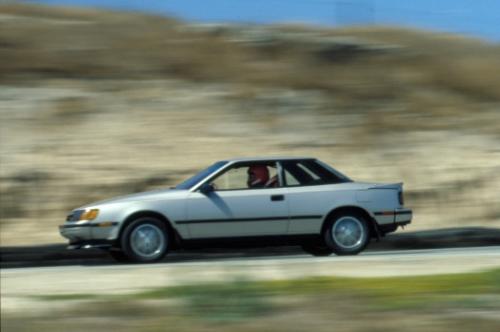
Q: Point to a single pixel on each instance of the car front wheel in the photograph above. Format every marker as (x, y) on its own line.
(347, 234)
(145, 240)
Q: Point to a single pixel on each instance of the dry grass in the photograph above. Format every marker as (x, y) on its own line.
(52, 42)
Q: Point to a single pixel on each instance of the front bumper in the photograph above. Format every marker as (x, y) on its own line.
(91, 244)
(82, 232)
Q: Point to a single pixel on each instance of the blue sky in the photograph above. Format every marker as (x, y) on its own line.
(480, 18)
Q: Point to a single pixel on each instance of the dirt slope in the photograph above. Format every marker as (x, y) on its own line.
(95, 104)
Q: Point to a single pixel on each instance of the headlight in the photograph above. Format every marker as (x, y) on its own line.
(89, 214)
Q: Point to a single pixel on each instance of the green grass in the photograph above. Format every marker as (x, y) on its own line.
(454, 303)
(67, 297)
(238, 300)
(469, 283)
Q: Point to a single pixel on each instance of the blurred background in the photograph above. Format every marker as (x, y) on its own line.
(138, 95)
(100, 98)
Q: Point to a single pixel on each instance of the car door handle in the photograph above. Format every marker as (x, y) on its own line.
(275, 198)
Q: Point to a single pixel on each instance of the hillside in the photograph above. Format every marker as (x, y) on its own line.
(95, 104)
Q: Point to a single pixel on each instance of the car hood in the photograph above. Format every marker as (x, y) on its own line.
(143, 196)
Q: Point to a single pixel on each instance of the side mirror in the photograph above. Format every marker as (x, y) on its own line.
(206, 188)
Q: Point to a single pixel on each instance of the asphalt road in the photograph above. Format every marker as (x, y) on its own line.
(27, 272)
(58, 255)
(19, 285)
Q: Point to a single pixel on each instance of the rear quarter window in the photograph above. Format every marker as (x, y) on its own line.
(308, 173)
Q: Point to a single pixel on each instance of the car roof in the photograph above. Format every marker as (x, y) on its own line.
(245, 159)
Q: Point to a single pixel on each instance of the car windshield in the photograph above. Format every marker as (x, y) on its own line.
(187, 184)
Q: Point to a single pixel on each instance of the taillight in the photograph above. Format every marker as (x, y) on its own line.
(400, 197)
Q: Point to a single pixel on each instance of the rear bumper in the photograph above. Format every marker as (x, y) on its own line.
(403, 216)
(398, 216)
(389, 221)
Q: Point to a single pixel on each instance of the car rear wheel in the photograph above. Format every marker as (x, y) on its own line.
(145, 240)
(347, 234)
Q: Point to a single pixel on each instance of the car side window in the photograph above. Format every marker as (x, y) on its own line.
(311, 174)
(290, 179)
(247, 176)
(307, 173)
(235, 178)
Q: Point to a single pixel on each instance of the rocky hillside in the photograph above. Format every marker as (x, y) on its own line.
(95, 104)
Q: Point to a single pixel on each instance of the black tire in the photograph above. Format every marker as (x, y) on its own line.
(145, 240)
(317, 250)
(347, 234)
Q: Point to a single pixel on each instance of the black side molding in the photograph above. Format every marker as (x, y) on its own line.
(200, 221)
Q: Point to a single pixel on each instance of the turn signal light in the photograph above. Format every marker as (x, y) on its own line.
(90, 214)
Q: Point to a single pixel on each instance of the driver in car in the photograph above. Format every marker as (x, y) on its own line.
(258, 177)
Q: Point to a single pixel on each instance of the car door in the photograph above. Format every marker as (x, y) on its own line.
(233, 209)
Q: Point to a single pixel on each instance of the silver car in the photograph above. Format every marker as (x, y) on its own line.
(244, 202)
